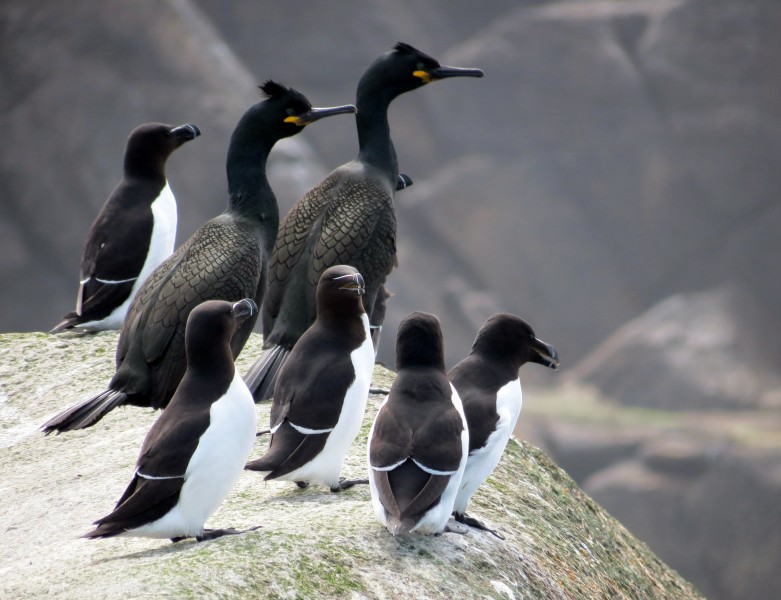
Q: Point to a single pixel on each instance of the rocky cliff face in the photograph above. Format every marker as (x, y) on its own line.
(312, 544)
(614, 154)
(673, 425)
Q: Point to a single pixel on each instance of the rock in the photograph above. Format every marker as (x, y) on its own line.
(614, 154)
(706, 507)
(700, 487)
(312, 543)
(700, 351)
(76, 80)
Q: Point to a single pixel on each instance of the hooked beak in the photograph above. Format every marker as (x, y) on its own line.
(445, 72)
(544, 354)
(353, 282)
(244, 309)
(186, 132)
(315, 114)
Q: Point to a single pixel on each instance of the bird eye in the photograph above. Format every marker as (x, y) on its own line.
(420, 66)
(290, 112)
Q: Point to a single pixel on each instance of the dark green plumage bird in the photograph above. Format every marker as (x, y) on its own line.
(346, 219)
(226, 259)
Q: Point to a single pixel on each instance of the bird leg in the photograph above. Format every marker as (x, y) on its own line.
(379, 390)
(474, 523)
(302, 484)
(262, 432)
(346, 484)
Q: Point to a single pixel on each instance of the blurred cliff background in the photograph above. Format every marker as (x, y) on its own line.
(615, 179)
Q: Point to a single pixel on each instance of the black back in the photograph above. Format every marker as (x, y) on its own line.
(116, 245)
(418, 426)
(223, 260)
(312, 384)
(173, 438)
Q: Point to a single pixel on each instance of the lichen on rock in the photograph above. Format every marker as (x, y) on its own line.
(312, 543)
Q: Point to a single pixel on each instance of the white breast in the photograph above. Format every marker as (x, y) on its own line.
(482, 461)
(161, 245)
(214, 467)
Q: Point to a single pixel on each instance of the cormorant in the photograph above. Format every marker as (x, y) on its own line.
(348, 218)
(226, 259)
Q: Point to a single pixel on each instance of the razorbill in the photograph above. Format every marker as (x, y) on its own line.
(348, 218)
(321, 391)
(419, 441)
(133, 232)
(195, 451)
(489, 386)
(225, 259)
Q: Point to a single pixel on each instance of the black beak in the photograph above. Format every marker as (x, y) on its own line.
(404, 181)
(445, 72)
(544, 354)
(355, 284)
(186, 132)
(315, 114)
(244, 309)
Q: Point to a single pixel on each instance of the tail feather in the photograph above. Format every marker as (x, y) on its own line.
(104, 530)
(85, 414)
(262, 375)
(69, 321)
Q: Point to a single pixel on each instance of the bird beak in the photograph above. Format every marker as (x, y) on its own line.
(445, 72)
(354, 283)
(244, 309)
(544, 354)
(185, 132)
(315, 114)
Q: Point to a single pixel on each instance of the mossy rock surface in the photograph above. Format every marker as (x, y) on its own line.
(312, 544)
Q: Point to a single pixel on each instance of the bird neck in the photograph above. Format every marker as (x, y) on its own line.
(250, 194)
(507, 362)
(144, 167)
(212, 369)
(374, 141)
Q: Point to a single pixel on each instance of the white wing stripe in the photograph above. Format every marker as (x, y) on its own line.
(307, 431)
(433, 471)
(110, 282)
(390, 467)
(155, 477)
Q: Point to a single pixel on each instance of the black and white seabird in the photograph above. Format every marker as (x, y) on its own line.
(419, 441)
(489, 386)
(321, 391)
(133, 232)
(225, 259)
(195, 451)
(348, 218)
